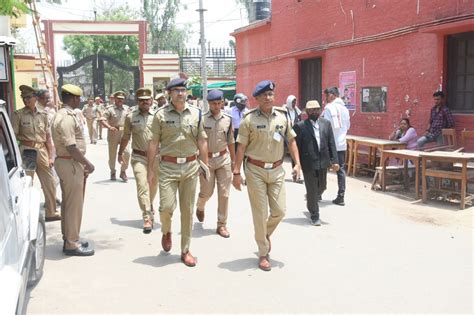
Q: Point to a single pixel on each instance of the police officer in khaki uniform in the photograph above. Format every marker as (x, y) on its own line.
(261, 137)
(114, 119)
(100, 111)
(90, 112)
(220, 135)
(32, 129)
(71, 166)
(137, 126)
(178, 129)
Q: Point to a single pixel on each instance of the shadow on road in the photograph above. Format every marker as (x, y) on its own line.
(161, 260)
(138, 224)
(200, 231)
(243, 264)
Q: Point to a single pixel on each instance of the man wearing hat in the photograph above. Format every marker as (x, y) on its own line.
(114, 119)
(317, 149)
(137, 126)
(32, 130)
(71, 166)
(220, 135)
(160, 100)
(238, 111)
(261, 138)
(179, 131)
(90, 112)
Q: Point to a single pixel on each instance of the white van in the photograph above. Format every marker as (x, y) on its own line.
(22, 229)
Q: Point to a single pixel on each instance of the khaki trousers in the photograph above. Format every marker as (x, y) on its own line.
(265, 188)
(223, 176)
(145, 193)
(92, 127)
(99, 128)
(113, 139)
(181, 178)
(71, 179)
(47, 180)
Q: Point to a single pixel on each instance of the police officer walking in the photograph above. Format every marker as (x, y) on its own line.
(114, 119)
(137, 126)
(32, 129)
(178, 129)
(218, 127)
(72, 167)
(100, 111)
(90, 112)
(261, 137)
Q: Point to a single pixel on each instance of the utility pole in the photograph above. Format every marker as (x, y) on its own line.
(203, 57)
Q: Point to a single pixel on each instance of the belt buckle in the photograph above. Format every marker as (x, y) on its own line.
(216, 154)
(180, 160)
(38, 145)
(268, 165)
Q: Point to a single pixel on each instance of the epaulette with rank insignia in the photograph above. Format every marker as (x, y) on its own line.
(251, 111)
(282, 109)
(225, 114)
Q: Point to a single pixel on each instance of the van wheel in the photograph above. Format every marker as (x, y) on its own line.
(38, 249)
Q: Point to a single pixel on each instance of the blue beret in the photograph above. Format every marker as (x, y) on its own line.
(178, 82)
(263, 86)
(215, 95)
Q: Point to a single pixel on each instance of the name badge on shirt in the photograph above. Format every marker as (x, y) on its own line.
(277, 136)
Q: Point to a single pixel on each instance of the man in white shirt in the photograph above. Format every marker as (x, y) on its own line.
(337, 113)
(237, 112)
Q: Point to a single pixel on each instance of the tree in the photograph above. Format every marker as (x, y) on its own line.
(247, 4)
(14, 8)
(161, 15)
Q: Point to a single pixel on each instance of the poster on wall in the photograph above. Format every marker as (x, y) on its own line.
(3, 65)
(374, 99)
(347, 88)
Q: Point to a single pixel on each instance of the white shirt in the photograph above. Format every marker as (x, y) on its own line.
(315, 125)
(338, 114)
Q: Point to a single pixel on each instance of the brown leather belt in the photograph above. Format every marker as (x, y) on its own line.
(32, 144)
(178, 160)
(65, 157)
(217, 154)
(264, 165)
(139, 152)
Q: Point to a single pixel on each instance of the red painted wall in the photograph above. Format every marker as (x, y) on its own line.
(411, 63)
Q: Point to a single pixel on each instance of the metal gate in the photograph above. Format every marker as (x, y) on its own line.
(100, 75)
(310, 81)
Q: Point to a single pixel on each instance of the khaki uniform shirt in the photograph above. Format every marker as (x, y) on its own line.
(219, 131)
(137, 126)
(67, 130)
(115, 116)
(90, 111)
(100, 111)
(264, 134)
(178, 133)
(31, 126)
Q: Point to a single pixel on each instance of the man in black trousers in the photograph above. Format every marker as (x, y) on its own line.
(317, 148)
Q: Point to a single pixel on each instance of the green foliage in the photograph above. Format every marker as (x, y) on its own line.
(14, 7)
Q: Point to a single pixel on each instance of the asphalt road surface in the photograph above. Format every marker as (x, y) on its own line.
(382, 252)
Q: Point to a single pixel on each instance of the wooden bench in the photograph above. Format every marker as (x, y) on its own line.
(390, 172)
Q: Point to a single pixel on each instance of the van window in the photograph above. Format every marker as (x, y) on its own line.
(7, 144)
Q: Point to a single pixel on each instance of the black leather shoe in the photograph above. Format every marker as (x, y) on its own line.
(80, 251)
(81, 243)
(339, 201)
(316, 222)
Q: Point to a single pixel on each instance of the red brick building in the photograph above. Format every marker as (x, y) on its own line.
(390, 55)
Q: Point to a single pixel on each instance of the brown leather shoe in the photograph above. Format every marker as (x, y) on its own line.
(56, 217)
(222, 231)
(200, 215)
(269, 243)
(147, 226)
(123, 176)
(113, 176)
(166, 242)
(264, 264)
(188, 259)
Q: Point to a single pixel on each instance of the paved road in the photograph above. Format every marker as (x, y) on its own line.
(380, 253)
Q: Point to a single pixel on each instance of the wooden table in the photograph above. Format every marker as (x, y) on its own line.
(374, 144)
(405, 155)
(448, 157)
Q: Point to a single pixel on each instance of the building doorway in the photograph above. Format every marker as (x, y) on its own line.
(310, 80)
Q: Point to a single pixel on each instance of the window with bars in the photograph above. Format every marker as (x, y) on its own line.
(461, 72)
